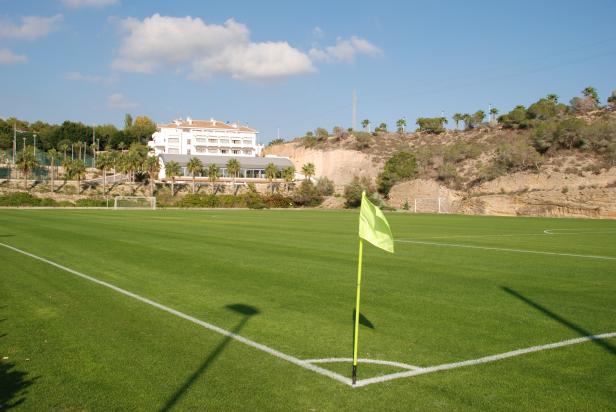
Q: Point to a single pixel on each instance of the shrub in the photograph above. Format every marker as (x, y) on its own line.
(461, 151)
(363, 140)
(277, 201)
(25, 199)
(306, 194)
(431, 124)
(91, 202)
(353, 191)
(324, 186)
(402, 165)
(275, 142)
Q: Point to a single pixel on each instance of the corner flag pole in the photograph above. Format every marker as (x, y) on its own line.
(356, 330)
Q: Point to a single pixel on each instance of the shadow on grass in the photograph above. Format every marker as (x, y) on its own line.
(362, 320)
(248, 312)
(7, 235)
(577, 328)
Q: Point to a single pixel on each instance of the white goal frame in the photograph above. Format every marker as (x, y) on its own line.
(439, 203)
(150, 199)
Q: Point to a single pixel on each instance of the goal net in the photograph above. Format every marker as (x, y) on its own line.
(134, 202)
(430, 205)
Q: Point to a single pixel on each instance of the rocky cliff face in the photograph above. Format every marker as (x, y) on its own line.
(564, 186)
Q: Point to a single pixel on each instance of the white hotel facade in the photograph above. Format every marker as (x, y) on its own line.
(205, 137)
(212, 142)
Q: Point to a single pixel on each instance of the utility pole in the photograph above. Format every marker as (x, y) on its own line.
(354, 124)
(34, 144)
(14, 141)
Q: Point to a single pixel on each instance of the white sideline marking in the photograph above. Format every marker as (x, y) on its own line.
(536, 252)
(206, 325)
(363, 360)
(576, 232)
(486, 359)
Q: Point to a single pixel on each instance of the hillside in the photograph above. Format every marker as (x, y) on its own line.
(491, 169)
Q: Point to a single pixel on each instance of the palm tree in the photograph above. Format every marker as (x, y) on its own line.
(121, 146)
(194, 166)
(233, 167)
(493, 113)
(172, 170)
(552, 97)
(103, 162)
(365, 123)
(152, 166)
(53, 155)
(592, 93)
(308, 170)
(457, 117)
(270, 173)
(63, 147)
(288, 173)
(401, 124)
(26, 162)
(77, 170)
(212, 175)
(78, 148)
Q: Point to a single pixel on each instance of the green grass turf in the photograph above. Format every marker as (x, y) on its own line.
(75, 345)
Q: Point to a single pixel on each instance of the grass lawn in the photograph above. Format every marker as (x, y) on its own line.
(457, 288)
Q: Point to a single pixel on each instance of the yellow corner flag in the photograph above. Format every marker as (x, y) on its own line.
(374, 228)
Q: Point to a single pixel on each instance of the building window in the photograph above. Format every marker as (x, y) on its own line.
(174, 140)
(212, 150)
(213, 140)
(174, 151)
(188, 151)
(224, 141)
(187, 141)
(200, 149)
(224, 151)
(235, 151)
(201, 140)
(237, 142)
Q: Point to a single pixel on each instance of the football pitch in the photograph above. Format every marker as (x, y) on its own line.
(253, 310)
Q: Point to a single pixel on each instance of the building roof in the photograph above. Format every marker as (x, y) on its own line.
(221, 161)
(206, 124)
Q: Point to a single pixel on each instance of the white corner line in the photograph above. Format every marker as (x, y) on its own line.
(485, 359)
(499, 249)
(364, 360)
(206, 325)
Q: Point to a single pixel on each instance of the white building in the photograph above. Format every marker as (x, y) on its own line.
(205, 137)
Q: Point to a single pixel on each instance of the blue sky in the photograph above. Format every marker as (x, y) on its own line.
(293, 65)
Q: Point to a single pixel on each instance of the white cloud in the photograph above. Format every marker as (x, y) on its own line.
(345, 50)
(118, 101)
(317, 32)
(160, 41)
(32, 27)
(88, 78)
(88, 3)
(8, 57)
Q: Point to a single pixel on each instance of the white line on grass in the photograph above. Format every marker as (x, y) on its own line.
(486, 359)
(363, 360)
(206, 325)
(500, 249)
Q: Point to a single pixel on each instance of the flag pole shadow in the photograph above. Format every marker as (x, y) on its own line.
(248, 312)
(611, 349)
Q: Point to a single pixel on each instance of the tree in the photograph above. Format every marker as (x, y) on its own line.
(321, 134)
(270, 173)
(431, 124)
(233, 167)
(552, 97)
(591, 93)
(478, 117)
(288, 174)
(53, 155)
(611, 101)
(77, 171)
(142, 129)
(103, 163)
(457, 117)
(194, 167)
(172, 170)
(382, 127)
(308, 170)
(128, 121)
(152, 167)
(365, 123)
(63, 147)
(353, 191)
(212, 175)
(401, 124)
(546, 108)
(26, 162)
(517, 118)
(402, 165)
(493, 113)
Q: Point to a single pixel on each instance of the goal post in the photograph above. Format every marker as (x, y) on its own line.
(430, 205)
(134, 202)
